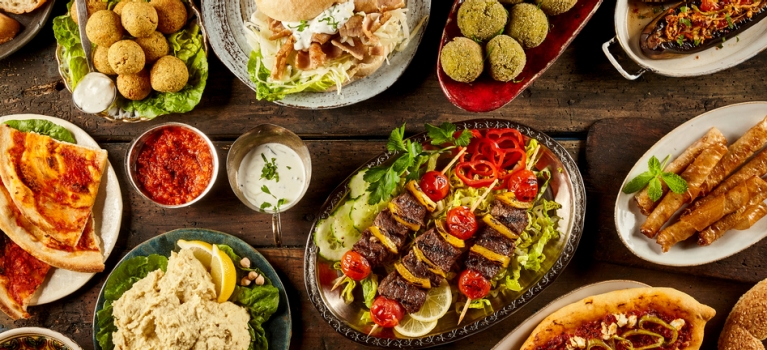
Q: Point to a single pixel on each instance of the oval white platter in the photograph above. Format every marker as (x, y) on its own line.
(733, 52)
(732, 121)
(107, 215)
(517, 337)
(224, 21)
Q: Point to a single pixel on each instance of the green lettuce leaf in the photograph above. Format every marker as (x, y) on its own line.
(369, 288)
(261, 302)
(269, 92)
(122, 279)
(42, 127)
(72, 55)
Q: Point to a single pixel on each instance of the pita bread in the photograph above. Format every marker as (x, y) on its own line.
(663, 300)
(294, 10)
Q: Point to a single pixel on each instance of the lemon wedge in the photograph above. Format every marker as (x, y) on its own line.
(224, 274)
(203, 251)
(413, 328)
(436, 305)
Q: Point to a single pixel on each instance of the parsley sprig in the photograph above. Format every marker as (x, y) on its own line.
(266, 205)
(652, 177)
(383, 180)
(269, 171)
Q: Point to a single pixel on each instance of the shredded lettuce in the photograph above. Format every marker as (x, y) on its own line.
(347, 293)
(369, 288)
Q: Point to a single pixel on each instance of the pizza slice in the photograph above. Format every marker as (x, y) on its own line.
(20, 277)
(85, 256)
(639, 318)
(54, 184)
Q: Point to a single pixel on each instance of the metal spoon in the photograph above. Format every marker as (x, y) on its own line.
(96, 92)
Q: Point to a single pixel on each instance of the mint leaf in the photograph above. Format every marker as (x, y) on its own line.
(396, 143)
(675, 182)
(654, 166)
(655, 190)
(638, 182)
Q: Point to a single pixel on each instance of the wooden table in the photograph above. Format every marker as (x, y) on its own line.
(579, 90)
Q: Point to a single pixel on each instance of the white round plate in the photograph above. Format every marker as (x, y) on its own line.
(107, 215)
(224, 19)
(17, 332)
(517, 337)
(732, 121)
(733, 52)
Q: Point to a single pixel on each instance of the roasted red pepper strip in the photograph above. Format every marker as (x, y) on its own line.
(477, 174)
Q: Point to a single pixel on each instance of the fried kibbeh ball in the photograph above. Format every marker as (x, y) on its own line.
(126, 57)
(462, 60)
(104, 28)
(481, 19)
(93, 7)
(171, 13)
(101, 60)
(528, 25)
(556, 7)
(169, 74)
(134, 86)
(139, 19)
(154, 46)
(505, 58)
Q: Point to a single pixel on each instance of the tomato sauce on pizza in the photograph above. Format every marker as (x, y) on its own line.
(23, 272)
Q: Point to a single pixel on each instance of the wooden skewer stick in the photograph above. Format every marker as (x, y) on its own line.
(481, 199)
(455, 159)
(372, 330)
(339, 283)
(465, 308)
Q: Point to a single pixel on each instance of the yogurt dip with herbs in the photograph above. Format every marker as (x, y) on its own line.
(271, 176)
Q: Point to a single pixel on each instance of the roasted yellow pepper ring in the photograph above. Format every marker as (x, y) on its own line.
(420, 196)
(390, 246)
(657, 344)
(656, 320)
(395, 214)
(421, 282)
(598, 343)
(491, 255)
(450, 239)
(498, 226)
(510, 199)
(432, 267)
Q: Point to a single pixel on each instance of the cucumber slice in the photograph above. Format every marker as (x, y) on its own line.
(330, 248)
(363, 214)
(357, 185)
(343, 227)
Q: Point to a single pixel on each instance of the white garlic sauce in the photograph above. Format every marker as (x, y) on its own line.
(94, 93)
(328, 22)
(290, 169)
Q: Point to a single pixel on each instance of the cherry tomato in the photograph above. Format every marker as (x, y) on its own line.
(355, 266)
(524, 184)
(461, 222)
(473, 285)
(386, 312)
(435, 185)
(709, 5)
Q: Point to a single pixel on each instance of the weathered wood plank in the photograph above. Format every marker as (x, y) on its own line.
(613, 147)
(580, 88)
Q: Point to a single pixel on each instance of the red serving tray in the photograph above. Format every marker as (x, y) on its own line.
(486, 94)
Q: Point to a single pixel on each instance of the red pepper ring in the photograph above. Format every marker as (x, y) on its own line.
(514, 159)
(499, 133)
(479, 173)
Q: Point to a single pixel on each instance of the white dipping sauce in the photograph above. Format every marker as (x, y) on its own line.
(94, 93)
(328, 22)
(290, 168)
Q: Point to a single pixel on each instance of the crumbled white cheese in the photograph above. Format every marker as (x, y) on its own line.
(604, 331)
(577, 342)
(632, 321)
(609, 331)
(621, 319)
(678, 324)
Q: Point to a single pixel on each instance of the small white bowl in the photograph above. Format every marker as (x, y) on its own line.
(37, 331)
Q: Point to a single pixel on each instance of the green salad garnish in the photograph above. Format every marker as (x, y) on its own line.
(42, 127)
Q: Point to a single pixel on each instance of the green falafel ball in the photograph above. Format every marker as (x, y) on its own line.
(505, 57)
(461, 59)
(556, 7)
(481, 19)
(528, 25)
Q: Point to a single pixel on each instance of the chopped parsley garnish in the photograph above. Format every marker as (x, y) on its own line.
(301, 26)
(680, 40)
(729, 21)
(330, 21)
(697, 41)
(289, 168)
(686, 22)
(683, 9)
(266, 205)
(269, 171)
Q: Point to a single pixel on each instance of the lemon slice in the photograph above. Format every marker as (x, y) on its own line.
(203, 251)
(224, 274)
(436, 305)
(411, 327)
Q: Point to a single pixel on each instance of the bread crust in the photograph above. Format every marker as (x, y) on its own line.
(18, 9)
(746, 326)
(294, 10)
(672, 301)
(9, 27)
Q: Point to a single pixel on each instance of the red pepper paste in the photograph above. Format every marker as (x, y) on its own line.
(174, 166)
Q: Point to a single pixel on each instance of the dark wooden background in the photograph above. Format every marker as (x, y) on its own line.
(581, 100)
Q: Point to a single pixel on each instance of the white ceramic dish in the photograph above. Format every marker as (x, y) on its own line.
(517, 337)
(732, 121)
(37, 331)
(224, 21)
(627, 29)
(107, 214)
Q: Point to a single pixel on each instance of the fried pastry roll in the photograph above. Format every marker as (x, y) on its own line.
(741, 219)
(695, 175)
(748, 193)
(678, 165)
(757, 166)
(753, 140)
